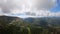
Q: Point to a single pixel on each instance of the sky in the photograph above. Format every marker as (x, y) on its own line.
(30, 8)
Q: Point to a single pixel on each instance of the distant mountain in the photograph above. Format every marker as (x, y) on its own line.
(44, 21)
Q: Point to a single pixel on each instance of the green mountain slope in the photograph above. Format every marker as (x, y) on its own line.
(45, 21)
(15, 25)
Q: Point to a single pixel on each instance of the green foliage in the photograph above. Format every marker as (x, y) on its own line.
(38, 26)
(26, 29)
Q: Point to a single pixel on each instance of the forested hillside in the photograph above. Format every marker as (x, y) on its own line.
(16, 25)
(46, 21)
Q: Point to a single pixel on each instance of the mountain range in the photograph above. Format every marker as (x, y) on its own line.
(42, 21)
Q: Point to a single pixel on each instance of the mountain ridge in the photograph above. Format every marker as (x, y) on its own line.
(44, 21)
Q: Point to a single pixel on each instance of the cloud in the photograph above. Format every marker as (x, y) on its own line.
(40, 13)
(28, 7)
(43, 13)
(8, 5)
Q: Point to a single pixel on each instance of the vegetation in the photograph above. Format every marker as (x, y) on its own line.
(19, 26)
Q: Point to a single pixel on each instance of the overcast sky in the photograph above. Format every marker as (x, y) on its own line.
(30, 8)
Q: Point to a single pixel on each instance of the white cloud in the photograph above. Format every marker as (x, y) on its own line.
(40, 13)
(28, 7)
(7, 5)
(43, 13)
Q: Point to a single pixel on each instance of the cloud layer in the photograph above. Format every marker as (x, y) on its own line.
(28, 7)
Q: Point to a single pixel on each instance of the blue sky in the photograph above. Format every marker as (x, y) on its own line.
(30, 8)
(57, 8)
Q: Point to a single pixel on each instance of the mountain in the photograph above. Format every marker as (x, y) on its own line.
(17, 21)
(44, 21)
(5, 20)
(16, 25)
